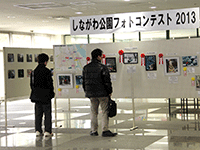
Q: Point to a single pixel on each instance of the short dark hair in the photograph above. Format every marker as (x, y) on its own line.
(43, 58)
(96, 52)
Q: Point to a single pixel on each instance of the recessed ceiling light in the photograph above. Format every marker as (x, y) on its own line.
(11, 17)
(78, 13)
(153, 7)
(126, 0)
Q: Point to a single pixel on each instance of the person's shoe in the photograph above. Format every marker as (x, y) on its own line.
(38, 134)
(108, 134)
(47, 134)
(94, 133)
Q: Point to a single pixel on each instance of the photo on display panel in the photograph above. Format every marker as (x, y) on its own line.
(197, 78)
(130, 58)
(51, 58)
(36, 57)
(172, 66)
(11, 74)
(29, 72)
(111, 64)
(10, 57)
(79, 79)
(20, 73)
(20, 57)
(189, 61)
(150, 63)
(29, 57)
(65, 80)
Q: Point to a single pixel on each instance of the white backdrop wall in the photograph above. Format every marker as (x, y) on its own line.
(17, 88)
(126, 84)
(153, 88)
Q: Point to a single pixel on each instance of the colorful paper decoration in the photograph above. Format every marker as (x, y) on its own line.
(160, 58)
(59, 91)
(193, 81)
(88, 60)
(185, 71)
(104, 59)
(142, 59)
(121, 52)
(77, 88)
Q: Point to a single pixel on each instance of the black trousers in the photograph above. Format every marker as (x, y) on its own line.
(41, 109)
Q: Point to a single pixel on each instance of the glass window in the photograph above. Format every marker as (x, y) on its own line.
(126, 37)
(153, 35)
(4, 40)
(183, 33)
(76, 39)
(101, 38)
(20, 40)
(42, 41)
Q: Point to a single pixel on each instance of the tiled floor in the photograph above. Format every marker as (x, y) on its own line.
(156, 131)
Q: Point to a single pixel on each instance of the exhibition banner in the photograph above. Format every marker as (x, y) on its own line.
(136, 21)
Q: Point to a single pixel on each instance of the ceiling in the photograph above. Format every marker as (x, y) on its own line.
(52, 16)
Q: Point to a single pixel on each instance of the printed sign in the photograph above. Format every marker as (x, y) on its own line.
(136, 21)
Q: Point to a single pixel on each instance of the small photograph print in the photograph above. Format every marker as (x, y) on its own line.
(130, 58)
(10, 57)
(11, 74)
(51, 58)
(36, 57)
(20, 57)
(172, 66)
(111, 64)
(29, 72)
(150, 63)
(197, 78)
(189, 61)
(20, 73)
(79, 79)
(29, 57)
(65, 80)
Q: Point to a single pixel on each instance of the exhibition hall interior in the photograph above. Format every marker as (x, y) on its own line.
(151, 49)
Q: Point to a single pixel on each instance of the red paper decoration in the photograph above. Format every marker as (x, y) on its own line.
(160, 58)
(142, 59)
(88, 60)
(121, 52)
(104, 59)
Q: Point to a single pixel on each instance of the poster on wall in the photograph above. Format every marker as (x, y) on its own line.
(197, 78)
(29, 57)
(11, 74)
(69, 57)
(36, 57)
(29, 72)
(172, 66)
(130, 58)
(150, 63)
(10, 57)
(51, 58)
(20, 57)
(189, 61)
(20, 73)
(111, 64)
(65, 80)
(79, 79)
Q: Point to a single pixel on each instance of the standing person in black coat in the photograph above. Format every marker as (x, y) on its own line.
(42, 91)
(98, 87)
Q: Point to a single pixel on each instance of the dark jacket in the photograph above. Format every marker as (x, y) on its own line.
(41, 85)
(96, 80)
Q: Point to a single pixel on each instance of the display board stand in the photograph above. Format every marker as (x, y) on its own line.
(133, 104)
